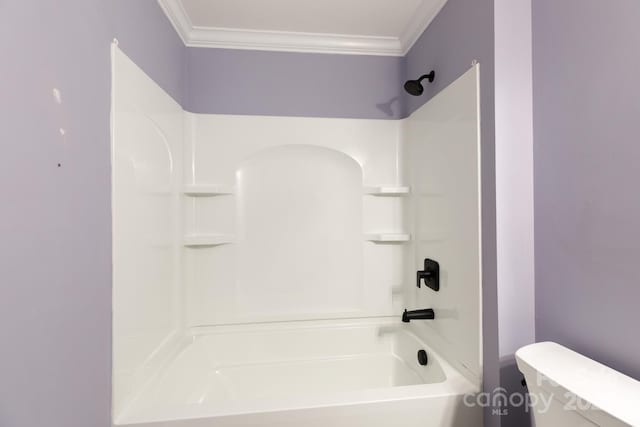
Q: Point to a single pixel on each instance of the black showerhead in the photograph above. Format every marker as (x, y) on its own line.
(414, 87)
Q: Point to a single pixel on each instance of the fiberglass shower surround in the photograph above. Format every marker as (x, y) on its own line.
(262, 264)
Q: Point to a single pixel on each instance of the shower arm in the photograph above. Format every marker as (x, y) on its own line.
(431, 76)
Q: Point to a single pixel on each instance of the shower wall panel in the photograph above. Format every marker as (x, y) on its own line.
(443, 155)
(296, 236)
(147, 133)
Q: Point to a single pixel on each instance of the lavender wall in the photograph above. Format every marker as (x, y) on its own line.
(460, 34)
(226, 81)
(147, 37)
(55, 222)
(587, 210)
(514, 194)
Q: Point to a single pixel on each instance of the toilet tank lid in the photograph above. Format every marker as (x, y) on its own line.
(607, 389)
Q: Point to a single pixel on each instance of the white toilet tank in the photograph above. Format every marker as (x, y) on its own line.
(568, 389)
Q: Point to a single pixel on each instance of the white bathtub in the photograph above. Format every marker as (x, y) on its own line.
(311, 374)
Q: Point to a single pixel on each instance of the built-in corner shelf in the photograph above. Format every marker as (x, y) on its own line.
(197, 190)
(388, 237)
(205, 240)
(388, 191)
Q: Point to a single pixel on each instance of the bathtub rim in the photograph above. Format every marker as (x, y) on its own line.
(454, 384)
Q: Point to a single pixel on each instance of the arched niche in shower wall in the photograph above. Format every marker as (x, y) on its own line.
(299, 233)
(146, 155)
(143, 223)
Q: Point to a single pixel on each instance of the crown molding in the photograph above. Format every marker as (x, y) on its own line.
(232, 38)
(175, 11)
(421, 20)
(286, 41)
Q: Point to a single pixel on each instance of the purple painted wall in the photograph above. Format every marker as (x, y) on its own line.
(587, 208)
(227, 81)
(514, 195)
(461, 33)
(55, 222)
(147, 37)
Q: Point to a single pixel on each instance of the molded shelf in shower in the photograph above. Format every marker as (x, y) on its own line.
(387, 191)
(204, 240)
(388, 237)
(197, 190)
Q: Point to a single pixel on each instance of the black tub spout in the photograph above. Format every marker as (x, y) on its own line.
(425, 314)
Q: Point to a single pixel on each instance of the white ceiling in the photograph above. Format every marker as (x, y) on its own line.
(354, 17)
(374, 27)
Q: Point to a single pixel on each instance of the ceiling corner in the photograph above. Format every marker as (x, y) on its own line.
(178, 17)
(421, 20)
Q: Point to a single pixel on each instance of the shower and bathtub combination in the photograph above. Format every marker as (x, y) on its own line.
(263, 265)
